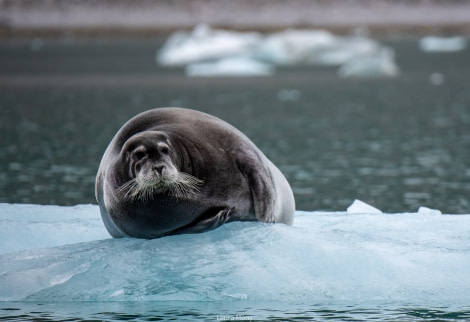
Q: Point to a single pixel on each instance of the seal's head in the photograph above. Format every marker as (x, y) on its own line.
(152, 168)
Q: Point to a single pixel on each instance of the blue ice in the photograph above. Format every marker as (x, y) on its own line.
(52, 253)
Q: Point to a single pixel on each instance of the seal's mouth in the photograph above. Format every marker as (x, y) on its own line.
(144, 188)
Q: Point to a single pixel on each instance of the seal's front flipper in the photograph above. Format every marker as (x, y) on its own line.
(211, 219)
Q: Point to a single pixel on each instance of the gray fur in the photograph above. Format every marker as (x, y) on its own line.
(232, 179)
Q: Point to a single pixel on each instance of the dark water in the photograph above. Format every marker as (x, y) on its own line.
(215, 311)
(395, 143)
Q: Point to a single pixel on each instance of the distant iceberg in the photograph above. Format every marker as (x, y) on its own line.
(211, 52)
(292, 47)
(312, 47)
(442, 44)
(51, 253)
(426, 210)
(232, 66)
(205, 44)
(380, 64)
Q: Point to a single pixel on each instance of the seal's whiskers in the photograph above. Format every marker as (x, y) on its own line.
(145, 187)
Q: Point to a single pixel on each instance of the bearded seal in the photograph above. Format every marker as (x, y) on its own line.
(173, 170)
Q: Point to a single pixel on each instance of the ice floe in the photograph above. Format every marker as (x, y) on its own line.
(377, 65)
(24, 226)
(289, 95)
(442, 44)
(436, 79)
(51, 253)
(231, 66)
(360, 207)
(426, 210)
(203, 44)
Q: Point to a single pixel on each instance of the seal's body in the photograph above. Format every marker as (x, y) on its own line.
(173, 170)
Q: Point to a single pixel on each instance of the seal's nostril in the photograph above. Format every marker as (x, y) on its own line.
(159, 169)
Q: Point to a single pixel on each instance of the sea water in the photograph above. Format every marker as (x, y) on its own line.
(398, 143)
(60, 263)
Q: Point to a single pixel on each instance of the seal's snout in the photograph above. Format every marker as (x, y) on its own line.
(159, 169)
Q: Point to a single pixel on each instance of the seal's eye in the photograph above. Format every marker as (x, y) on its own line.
(164, 149)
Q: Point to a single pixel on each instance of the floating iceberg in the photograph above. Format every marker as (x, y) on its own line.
(232, 66)
(203, 44)
(289, 95)
(436, 79)
(210, 52)
(292, 47)
(325, 257)
(426, 210)
(360, 207)
(314, 47)
(442, 44)
(381, 64)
